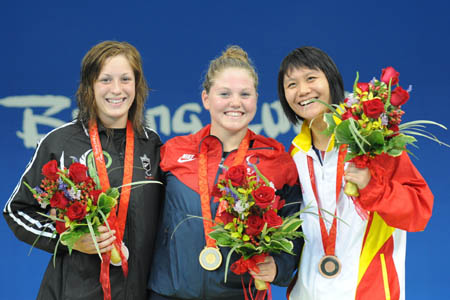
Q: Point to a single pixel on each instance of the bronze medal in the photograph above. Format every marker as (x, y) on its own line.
(210, 258)
(329, 266)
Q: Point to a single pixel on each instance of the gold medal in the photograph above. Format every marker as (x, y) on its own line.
(210, 258)
(329, 266)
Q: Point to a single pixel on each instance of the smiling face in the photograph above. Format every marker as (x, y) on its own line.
(303, 84)
(114, 92)
(231, 102)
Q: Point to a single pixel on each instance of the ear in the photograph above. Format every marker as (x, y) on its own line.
(205, 100)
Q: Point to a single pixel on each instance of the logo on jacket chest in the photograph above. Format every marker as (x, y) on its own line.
(147, 165)
(186, 158)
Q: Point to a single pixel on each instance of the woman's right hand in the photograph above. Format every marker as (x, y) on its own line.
(105, 241)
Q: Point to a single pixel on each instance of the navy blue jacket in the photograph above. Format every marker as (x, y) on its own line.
(176, 271)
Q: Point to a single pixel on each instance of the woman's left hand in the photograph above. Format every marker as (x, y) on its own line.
(359, 176)
(267, 270)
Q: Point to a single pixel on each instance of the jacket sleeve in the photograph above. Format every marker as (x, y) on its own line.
(287, 263)
(22, 210)
(398, 193)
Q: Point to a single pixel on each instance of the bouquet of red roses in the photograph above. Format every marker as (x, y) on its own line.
(250, 221)
(368, 121)
(80, 207)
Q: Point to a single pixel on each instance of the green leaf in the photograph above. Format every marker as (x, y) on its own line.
(343, 133)
(328, 117)
(376, 139)
(291, 224)
(106, 203)
(113, 193)
(400, 141)
(91, 231)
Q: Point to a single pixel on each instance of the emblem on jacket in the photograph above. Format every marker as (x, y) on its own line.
(146, 164)
(186, 157)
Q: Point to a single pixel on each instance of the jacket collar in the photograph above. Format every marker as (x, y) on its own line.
(102, 130)
(303, 140)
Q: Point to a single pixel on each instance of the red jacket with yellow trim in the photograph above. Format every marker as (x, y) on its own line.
(372, 251)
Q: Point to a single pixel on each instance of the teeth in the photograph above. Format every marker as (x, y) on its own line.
(306, 102)
(115, 101)
(233, 114)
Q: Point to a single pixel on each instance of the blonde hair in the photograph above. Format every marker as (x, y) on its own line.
(233, 57)
(91, 66)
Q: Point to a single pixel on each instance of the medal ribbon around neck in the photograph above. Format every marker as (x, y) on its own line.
(115, 221)
(204, 187)
(328, 239)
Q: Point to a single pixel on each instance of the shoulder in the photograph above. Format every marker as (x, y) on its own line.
(152, 136)
(263, 141)
(63, 133)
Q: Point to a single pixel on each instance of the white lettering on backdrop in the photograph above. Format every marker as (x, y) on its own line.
(40, 110)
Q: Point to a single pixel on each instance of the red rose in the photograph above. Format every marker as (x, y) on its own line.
(399, 96)
(264, 196)
(272, 219)
(236, 174)
(349, 114)
(363, 86)
(226, 217)
(281, 204)
(255, 225)
(76, 211)
(77, 172)
(216, 192)
(50, 170)
(59, 200)
(60, 226)
(389, 73)
(94, 195)
(373, 108)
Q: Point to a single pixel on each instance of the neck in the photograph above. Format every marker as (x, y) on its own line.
(319, 140)
(230, 141)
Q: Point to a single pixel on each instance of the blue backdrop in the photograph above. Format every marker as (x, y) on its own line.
(43, 43)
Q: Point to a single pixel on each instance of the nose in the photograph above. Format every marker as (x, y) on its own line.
(303, 89)
(116, 88)
(235, 101)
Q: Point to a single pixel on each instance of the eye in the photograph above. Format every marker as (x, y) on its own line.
(291, 85)
(224, 94)
(245, 95)
(105, 80)
(126, 79)
(311, 78)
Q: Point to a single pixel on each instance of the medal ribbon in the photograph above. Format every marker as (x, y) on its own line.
(115, 222)
(204, 187)
(328, 239)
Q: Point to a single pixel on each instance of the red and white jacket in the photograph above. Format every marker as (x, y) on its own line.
(371, 251)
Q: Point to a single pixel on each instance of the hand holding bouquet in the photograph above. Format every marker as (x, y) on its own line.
(250, 221)
(369, 121)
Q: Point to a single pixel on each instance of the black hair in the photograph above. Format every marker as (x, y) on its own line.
(311, 58)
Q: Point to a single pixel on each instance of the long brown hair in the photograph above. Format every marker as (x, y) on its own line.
(91, 66)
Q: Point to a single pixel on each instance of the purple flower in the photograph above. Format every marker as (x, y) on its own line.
(38, 189)
(384, 119)
(351, 100)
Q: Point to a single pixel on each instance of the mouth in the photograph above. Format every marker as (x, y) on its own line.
(115, 100)
(234, 114)
(306, 102)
